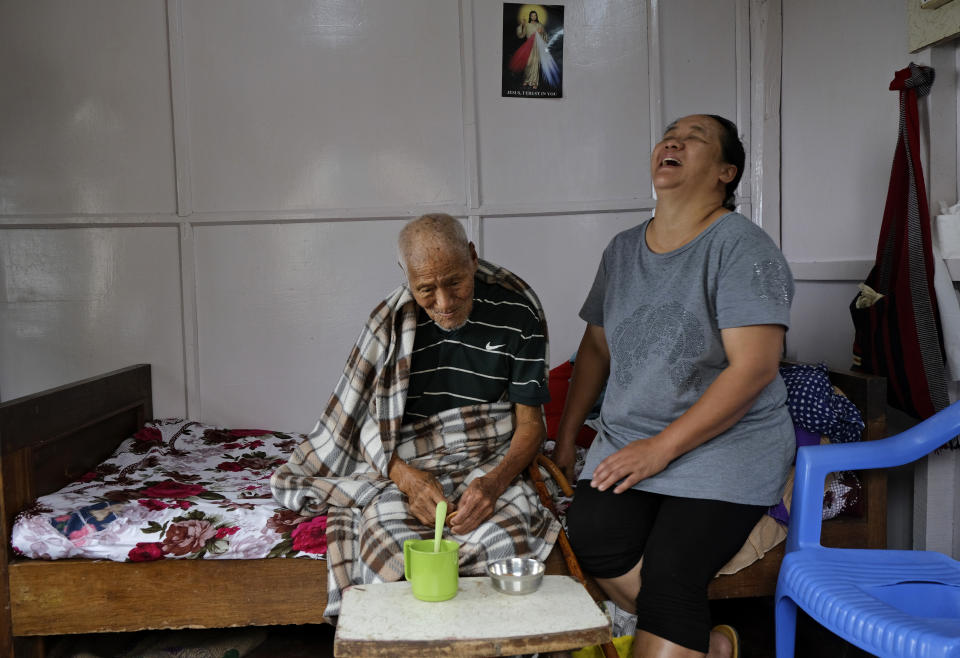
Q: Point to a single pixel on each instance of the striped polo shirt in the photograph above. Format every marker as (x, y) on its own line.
(499, 354)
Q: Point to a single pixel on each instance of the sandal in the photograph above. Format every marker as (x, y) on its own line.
(730, 633)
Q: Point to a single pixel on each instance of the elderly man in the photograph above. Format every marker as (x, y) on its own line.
(439, 400)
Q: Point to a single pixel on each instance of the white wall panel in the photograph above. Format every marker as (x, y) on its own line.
(323, 104)
(81, 302)
(287, 108)
(839, 125)
(821, 328)
(592, 144)
(558, 257)
(698, 59)
(85, 121)
(279, 307)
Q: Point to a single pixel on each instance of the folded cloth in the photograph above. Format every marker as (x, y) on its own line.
(868, 296)
(621, 622)
(948, 306)
(341, 468)
(764, 537)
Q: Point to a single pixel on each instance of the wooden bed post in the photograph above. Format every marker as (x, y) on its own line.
(17, 492)
(47, 440)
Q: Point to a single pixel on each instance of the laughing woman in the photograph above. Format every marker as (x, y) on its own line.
(685, 325)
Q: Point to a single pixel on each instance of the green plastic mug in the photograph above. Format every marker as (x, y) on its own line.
(432, 576)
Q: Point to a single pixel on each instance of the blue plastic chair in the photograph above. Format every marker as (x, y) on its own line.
(890, 603)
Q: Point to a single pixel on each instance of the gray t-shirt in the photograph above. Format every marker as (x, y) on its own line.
(662, 315)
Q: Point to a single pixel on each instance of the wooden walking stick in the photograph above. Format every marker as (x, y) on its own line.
(609, 651)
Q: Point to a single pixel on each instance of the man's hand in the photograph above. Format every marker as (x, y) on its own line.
(638, 460)
(478, 501)
(420, 487)
(476, 505)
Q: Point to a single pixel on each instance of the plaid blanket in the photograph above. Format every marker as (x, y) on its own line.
(341, 468)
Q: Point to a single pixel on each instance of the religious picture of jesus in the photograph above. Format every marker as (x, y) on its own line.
(532, 51)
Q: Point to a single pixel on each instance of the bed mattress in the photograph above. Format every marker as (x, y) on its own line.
(177, 489)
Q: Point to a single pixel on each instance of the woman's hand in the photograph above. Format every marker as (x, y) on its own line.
(565, 456)
(753, 353)
(422, 490)
(589, 374)
(637, 461)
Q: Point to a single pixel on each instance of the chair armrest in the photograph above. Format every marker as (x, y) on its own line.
(815, 462)
(542, 460)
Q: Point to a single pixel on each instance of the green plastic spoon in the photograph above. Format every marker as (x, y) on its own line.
(438, 528)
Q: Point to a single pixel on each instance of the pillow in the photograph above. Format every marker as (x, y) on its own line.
(817, 406)
(559, 385)
(842, 491)
(843, 495)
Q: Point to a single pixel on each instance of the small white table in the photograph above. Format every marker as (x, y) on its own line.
(386, 620)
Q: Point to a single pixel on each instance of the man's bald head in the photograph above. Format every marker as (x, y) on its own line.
(440, 264)
(429, 235)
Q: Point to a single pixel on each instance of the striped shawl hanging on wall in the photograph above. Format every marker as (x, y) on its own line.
(895, 316)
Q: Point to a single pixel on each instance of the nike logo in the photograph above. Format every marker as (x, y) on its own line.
(493, 347)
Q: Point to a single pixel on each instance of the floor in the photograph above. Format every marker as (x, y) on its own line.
(262, 642)
(753, 619)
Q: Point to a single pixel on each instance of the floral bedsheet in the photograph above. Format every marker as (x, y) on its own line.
(175, 489)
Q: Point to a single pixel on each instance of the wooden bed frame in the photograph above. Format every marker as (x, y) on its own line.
(51, 438)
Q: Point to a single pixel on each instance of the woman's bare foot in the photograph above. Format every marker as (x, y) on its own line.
(720, 646)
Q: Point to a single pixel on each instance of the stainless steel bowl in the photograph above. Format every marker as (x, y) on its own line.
(516, 575)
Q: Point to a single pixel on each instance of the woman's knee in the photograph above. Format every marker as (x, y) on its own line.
(603, 535)
(585, 527)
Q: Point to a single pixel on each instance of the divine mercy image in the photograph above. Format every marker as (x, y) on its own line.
(532, 50)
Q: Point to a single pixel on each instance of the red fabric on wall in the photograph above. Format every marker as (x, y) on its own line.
(899, 336)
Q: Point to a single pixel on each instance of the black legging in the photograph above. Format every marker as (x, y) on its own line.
(683, 543)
